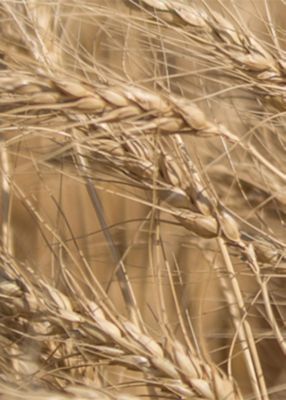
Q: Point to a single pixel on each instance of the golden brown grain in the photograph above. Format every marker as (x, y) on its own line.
(142, 239)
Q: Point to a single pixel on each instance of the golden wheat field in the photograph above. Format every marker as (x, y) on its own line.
(143, 199)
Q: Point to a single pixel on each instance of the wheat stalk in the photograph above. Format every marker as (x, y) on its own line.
(142, 113)
(138, 133)
(254, 63)
(174, 369)
(194, 206)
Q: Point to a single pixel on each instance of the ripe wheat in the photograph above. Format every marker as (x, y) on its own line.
(70, 118)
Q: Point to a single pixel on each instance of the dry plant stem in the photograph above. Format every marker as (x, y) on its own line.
(262, 282)
(111, 104)
(176, 372)
(237, 308)
(120, 269)
(271, 317)
(123, 104)
(203, 381)
(136, 114)
(238, 46)
(33, 41)
(71, 392)
(116, 104)
(94, 285)
(251, 259)
(7, 235)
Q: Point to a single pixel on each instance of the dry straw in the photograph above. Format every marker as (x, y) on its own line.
(64, 335)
